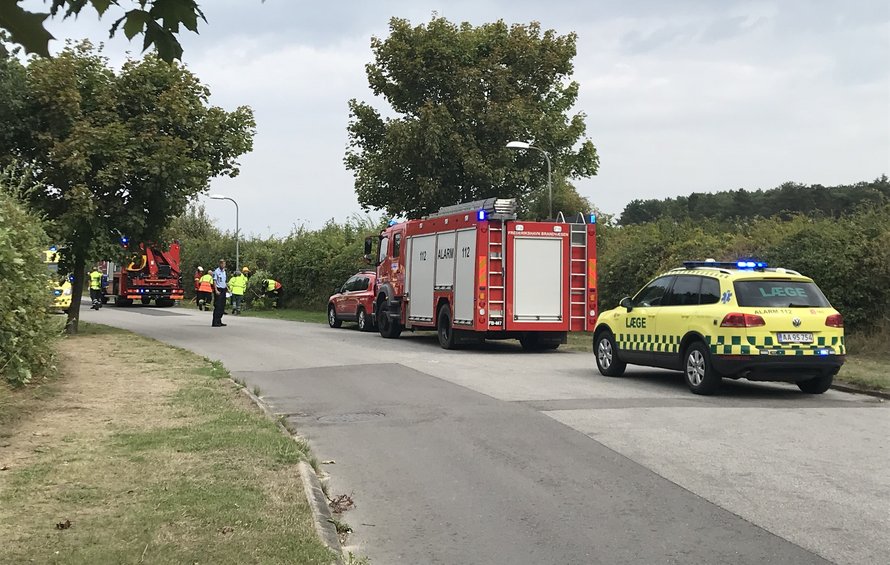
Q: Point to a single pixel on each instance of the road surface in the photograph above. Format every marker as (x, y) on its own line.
(494, 455)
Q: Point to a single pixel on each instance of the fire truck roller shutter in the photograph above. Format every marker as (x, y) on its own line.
(537, 279)
(445, 250)
(465, 277)
(420, 277)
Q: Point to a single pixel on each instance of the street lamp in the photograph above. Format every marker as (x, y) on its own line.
(523, 145)
(237, 254)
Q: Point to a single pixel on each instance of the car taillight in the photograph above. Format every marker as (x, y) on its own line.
(739, 320)
(834, 321)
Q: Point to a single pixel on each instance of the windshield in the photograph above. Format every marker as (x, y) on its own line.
(779, 294)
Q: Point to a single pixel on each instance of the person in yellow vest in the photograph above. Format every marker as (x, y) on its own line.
(272, 289)
(205, 291)
(96, 288)
(237, 285)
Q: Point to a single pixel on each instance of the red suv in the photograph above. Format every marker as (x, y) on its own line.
(354, 302)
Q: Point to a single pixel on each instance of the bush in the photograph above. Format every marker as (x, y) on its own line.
(26, 330)
(848, 257)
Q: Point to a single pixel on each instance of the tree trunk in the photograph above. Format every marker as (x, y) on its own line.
(76, 295)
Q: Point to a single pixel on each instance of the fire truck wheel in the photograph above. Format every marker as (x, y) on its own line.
(118, 301)
(606, 353)
(332, 318)
(104, 300)
(146, 300)
(387, 327)
(364, 321)
(444, 329)
(532, 341)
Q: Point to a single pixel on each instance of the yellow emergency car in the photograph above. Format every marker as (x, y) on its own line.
(738, 320)
(60, 286)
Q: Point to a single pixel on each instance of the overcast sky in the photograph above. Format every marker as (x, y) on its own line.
(682, 96)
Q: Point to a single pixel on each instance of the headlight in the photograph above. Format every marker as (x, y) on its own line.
(67, 292)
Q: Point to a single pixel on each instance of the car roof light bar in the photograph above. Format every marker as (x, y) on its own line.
(743, 264)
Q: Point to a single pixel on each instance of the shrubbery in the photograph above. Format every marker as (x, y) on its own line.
(848, 257)
(26, 330)
(307, 263)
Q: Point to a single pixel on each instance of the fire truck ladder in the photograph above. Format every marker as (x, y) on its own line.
(496, 296)
(578, 274)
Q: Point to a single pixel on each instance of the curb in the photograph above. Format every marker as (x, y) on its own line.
(860, 390)
(318, 502)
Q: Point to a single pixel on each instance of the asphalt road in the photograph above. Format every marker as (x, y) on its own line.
(494, 455)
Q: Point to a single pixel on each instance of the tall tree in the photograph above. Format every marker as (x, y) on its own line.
(120, 153)
(459, 94)
(158, 21)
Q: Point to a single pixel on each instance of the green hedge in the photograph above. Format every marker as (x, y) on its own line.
(27, 333)
(309, 264)
(848, 257)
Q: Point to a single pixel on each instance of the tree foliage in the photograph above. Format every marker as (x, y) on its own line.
(459, 94)
(26, 332)
(119, 153)
(786, 200)
(158, 21)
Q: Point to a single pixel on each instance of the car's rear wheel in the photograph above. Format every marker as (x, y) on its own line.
(364, 321)
(700, 374)
(332, 317)
(607, 361)
(817, 385)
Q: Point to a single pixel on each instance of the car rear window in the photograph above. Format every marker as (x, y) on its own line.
(779, 294)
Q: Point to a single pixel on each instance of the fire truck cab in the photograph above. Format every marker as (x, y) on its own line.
(473, 271)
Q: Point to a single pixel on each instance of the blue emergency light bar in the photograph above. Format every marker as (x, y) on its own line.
(593, 218)
(125, 240)
(741, 265)
(481, 215)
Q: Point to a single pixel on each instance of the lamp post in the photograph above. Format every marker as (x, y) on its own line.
(237, 254)
(526, 146)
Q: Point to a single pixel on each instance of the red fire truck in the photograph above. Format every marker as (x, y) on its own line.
(473, 272)
(152, 274)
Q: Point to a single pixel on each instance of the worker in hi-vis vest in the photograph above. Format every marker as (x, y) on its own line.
(96, 288)
(205, 291)
(238, 284)
(272, 289)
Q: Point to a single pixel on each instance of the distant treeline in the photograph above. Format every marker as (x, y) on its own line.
(784, 201)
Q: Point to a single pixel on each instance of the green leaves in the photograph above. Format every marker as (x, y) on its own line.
(24, 27)
(26, 329)
(157, 20)
(120, 153)
(460, 93)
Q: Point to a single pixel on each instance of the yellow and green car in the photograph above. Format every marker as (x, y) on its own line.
(737, 320)
(59, 285)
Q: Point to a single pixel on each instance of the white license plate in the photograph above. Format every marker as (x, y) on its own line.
(795, 337)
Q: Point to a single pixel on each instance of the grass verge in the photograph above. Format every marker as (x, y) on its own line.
(144, 453)
(293, 315)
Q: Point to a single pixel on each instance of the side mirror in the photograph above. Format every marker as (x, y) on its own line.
(627, 303)
(368, 247)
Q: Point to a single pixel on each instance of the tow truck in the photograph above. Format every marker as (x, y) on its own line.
(153, 273)
(473, 271)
